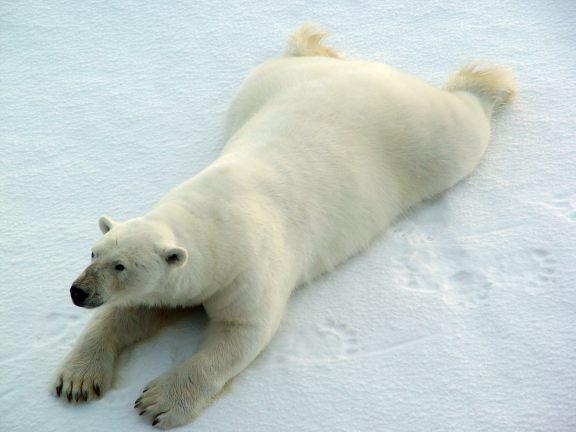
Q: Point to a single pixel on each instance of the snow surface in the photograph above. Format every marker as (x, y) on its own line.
(460, 318)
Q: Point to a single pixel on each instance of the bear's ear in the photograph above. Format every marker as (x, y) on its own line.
(175, 256)
(105, 224)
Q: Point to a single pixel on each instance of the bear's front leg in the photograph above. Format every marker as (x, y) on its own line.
(88, 370)
(181, 394)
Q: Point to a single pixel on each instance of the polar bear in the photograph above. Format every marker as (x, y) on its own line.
(322, 154)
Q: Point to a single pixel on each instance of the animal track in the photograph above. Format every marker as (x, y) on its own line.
(424, 270)
(430, 271)
(467, 289)
(417, 271)
(532, 269)
(411, 233)
(330, 340)
(340, 340)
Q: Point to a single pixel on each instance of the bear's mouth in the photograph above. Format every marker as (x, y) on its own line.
(92, 302)
(91, 306)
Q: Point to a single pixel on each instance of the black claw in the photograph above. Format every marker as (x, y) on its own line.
(69, 396)
(156, 419)
(138, 401)
(59, 389)
(85, 395)
(145, 390)
(142, 412)
(97, 389)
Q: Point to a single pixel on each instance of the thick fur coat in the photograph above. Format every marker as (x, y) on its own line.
(322, 154)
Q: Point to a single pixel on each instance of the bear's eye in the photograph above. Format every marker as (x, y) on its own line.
(119, 267)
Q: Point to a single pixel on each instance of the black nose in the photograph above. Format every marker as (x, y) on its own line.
(78, 295)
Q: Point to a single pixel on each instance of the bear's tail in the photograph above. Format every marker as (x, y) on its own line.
(307, 41)
(494, 86)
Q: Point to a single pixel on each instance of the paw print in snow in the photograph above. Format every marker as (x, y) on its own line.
(530, 269)
(330, 340)
(339, 340)
(418, 271)
(544, 266)
(467, 289)
(411, 233)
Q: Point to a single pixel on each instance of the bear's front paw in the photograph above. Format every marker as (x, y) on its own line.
(175, 398)
(84, 377)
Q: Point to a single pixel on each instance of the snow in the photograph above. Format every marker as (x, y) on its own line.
(460, 318)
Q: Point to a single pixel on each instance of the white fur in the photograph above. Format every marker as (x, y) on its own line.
(322, 155)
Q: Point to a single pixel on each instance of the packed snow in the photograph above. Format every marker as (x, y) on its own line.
(460, 318)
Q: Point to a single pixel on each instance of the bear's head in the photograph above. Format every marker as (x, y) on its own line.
(130, 264)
